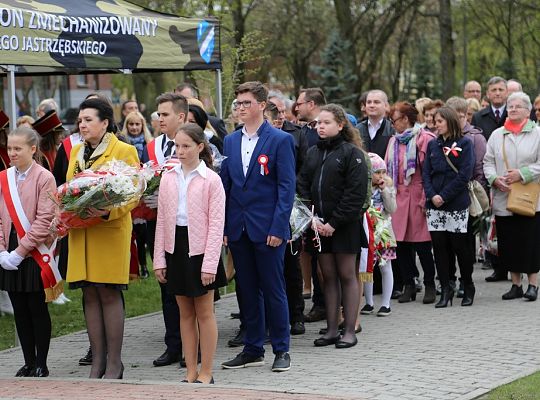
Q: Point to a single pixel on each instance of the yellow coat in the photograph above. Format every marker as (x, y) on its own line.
(101, 252)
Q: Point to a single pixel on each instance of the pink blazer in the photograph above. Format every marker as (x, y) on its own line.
(36, 193)
(206, 218)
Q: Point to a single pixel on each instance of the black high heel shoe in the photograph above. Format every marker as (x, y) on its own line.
(409, 294)
(468, 295)
(209, 383)
(447, 295)
(322, 341)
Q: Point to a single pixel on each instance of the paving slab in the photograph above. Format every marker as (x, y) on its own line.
(418, 352)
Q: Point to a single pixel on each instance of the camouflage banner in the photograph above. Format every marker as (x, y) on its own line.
(87, 35)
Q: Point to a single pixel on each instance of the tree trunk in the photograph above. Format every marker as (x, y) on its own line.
(448, 56)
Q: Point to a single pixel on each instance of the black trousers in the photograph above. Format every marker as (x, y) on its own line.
(459, 244)
(294, 285)
(33, 324)
(141, 239)
(171, 313)
(406, 255)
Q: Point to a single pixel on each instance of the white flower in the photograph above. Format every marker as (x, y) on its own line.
(122, 185)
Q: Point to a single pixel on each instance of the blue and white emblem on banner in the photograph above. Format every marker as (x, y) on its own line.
(206, 39)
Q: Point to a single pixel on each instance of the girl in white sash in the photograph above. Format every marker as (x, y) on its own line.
(20, 273)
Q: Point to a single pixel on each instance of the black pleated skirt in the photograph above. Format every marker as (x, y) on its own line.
(27, 278)
(184, 272)
(518, 240)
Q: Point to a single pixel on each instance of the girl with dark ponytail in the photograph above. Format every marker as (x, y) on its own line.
(189, 233)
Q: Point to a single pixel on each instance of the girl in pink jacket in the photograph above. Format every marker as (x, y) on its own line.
(189, 234)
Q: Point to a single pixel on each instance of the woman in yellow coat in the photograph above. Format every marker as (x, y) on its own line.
(98, 260)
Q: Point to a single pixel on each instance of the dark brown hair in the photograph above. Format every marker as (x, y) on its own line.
(196, 134)
(349, 133)
(316, 95)
(256, 88)
(179, 102)
(452, 122)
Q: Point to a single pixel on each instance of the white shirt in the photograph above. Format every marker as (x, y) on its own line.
(21, 176)
(248, 146)
(165, 142)
(183, 183)
(373, 128)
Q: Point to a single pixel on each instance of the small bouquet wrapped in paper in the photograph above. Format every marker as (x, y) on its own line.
(113, 185)
(383, 233)
(301, 218)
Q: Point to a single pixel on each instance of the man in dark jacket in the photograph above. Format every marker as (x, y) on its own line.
(493, 116)
(376, 130)
(488, 119)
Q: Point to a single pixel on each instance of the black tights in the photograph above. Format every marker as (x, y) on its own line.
(33, 324)
(445, 245)
(340, 270)
(104, 313)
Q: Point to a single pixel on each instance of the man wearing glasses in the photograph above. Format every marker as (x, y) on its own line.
(259, 180)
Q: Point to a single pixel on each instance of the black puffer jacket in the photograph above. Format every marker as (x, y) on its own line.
(334, 178)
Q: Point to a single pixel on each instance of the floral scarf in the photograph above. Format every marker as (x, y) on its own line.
(408, 138)
(87, 156)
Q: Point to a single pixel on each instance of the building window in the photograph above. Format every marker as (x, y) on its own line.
(82, 80)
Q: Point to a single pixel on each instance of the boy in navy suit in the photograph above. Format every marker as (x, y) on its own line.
(259, 180)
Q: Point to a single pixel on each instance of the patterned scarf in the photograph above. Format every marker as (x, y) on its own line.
(87, 156)
(139, 142)
(407, 138)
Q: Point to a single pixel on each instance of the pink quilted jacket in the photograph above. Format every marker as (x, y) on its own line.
(206, 218)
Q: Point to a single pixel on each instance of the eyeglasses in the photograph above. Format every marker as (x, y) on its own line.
(516, 107)
(298, 104)
(393, 121)
(245, 104)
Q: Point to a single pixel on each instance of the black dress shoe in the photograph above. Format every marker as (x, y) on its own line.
(341, 344)
(41, 372)
(515, 292)
(209, 383)
(317, 313)
(144, 272)
(166, 358)
(25, 370)
(396, 294)
(496, 277)
(322, 341)
(298, 328)
(87, 359)
(532, 293)
(238, 340)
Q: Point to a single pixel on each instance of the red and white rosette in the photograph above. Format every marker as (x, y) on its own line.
(263, 161)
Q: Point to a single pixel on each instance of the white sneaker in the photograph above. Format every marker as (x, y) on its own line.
(62, 299)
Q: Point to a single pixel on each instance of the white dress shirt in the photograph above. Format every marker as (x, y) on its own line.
(183, 183)
(501, 110)
(373, 128)
(248, 146)
(21, 176)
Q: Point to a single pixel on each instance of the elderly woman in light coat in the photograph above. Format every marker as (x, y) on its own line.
(518, 236)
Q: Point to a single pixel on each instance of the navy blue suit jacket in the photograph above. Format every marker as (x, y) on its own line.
(259, 204)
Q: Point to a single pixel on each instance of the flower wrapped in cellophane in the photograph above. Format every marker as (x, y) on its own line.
(91, 193)
(301, 218)
(383, 234)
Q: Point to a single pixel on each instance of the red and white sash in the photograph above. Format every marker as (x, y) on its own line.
(155, 150)
(69, 142)
(43, 255)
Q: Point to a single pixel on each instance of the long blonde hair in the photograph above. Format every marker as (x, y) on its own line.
(137, 115)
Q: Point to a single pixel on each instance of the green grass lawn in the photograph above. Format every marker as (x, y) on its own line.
(527, 388)
(142, 297)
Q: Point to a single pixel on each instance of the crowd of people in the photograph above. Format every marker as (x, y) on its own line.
(399, 183)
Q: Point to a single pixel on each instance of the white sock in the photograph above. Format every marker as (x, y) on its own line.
(387, 283)
(368, 292)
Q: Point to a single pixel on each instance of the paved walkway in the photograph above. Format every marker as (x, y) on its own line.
(416, 353)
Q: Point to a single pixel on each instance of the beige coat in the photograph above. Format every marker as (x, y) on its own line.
(522, 152)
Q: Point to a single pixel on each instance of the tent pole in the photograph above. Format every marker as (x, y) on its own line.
(11, 101)
(219, 95)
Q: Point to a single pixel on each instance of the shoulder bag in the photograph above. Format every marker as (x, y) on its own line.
(477, 194)
(523, 197)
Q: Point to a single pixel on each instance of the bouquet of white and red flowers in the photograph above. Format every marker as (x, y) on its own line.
(90, 192)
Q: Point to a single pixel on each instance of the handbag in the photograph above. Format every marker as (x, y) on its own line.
(523, 197)
(477, 194)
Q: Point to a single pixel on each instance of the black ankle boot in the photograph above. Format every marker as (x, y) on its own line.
(144, 272)
(468, 294)
(447, 295)
(429, 294)
(515, 292)
(409, 294)
(532, 293)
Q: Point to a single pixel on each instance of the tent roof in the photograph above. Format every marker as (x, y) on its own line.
(89, 36)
